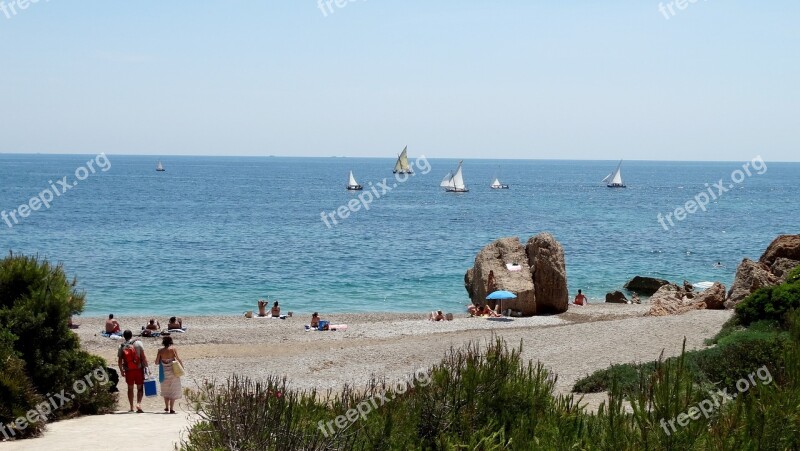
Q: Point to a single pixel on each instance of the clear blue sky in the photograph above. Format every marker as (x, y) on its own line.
(719, 80)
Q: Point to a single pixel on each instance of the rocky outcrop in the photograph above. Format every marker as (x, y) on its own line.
(671, 299)
(645, 285)
(784, 246)
(616, 297)
(713, 297)
(538, 278)
(549, 273)
(782, 267)
(750, 276)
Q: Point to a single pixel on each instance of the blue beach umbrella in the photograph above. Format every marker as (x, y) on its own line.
(500, 295)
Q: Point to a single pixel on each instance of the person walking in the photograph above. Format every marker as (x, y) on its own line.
(172, 370)
(132, 361)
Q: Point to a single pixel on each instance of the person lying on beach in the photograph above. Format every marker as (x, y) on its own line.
(112, 325)
(72, 325)
(436, 316)
(487, 311)
(262, 307)
(175, 323)
(314, 320)
(472, 310)
(276, 310)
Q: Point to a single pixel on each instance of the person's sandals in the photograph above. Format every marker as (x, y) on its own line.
(172, 411)
(139, 410)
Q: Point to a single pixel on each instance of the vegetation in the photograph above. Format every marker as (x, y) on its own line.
(39, 354)
(771, 303)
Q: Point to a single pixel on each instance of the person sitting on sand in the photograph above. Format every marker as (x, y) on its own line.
(580, 299)
(262, 307)
(472, 310)
(276, 310)
(153, 325)
(436, 316)
(635, 299)
(175, 323)
(112, 325)
(314, 320)
(487, 311)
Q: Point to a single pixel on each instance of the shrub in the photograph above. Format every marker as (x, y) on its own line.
(17, 394)
(36, 301)
(626, 376)
(771, 303)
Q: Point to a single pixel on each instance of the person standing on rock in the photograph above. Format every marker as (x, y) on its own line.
(580, 299)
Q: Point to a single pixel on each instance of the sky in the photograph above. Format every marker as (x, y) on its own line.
(717, 80)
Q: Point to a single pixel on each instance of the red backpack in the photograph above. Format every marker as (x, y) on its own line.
(131, 356)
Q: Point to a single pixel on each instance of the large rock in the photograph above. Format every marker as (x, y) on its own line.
(616, 297)
(539, 281)
(782, 267)
(713, 297)
(549, 273)
(671, 299)
(645, 285)
(750, 276)
(785, 246)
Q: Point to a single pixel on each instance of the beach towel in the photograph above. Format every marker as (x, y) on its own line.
(341, 327)
(114, 336)
(179, 331)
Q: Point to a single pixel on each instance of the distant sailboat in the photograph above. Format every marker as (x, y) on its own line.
(454, 182)
(352, 185)
(401, 165)
(497, 185)
(615, 178)
(160, 167)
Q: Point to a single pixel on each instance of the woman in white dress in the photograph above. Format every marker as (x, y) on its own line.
(171, 385)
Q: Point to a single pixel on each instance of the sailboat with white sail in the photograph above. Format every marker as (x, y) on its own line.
(497, 185)
(614, 180)
(401, 165)
(352, 185)
(160, 167)
(454, 182)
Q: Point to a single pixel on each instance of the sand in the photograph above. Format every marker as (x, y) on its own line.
(572, 344)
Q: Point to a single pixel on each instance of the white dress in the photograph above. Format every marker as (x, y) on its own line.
(171, 387)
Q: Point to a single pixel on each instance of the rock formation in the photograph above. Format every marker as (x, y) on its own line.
(781, 256)
(616, 297)
(645, 285)
(750, 276)
(674, 300)
(536, 273)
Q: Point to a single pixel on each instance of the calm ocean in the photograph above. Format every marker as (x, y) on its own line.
(214, 234)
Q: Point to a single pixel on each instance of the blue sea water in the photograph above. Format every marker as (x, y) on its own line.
(214, 234)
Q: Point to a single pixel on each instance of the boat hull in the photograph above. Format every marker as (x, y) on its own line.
(457, 190)
(616, 185)
(354, 187)
(499, 187)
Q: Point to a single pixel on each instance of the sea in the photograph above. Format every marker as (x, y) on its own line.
(212, 235)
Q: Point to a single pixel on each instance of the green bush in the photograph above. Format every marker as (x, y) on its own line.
(626, 376)
(771, 303)
(16, 391)
(36, 301)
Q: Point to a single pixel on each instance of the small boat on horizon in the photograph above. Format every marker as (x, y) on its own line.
(352, 185)
(454, 182)
(497, 185)
(160, 167)
(615, 178)
(401, 165)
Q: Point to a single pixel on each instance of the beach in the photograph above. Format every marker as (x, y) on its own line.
(393, 346)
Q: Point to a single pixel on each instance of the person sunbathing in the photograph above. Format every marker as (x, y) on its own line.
(436, 316)
(153, 325)
(315, 320)
(472, 310)
(276, 310)
(175, 323)
(262, 307)
(489, 312)
(112, 325)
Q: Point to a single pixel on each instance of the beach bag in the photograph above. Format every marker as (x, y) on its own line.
(323, 325)
(150, 387)
(131, 356)
(161, 372)
(248, 314)
(177, 369)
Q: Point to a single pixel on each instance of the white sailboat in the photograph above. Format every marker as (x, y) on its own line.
(160, 167)
(454, 182)
(497, 185)
(401, 165)
(352, 185)
(615, 178)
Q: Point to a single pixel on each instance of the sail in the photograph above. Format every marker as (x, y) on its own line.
(447, 182)
(496, 182)
(397, 166)
(607, 178)
(352, 181)
(458, 178)
(617, 178)
(403, 160)
(159, 167)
